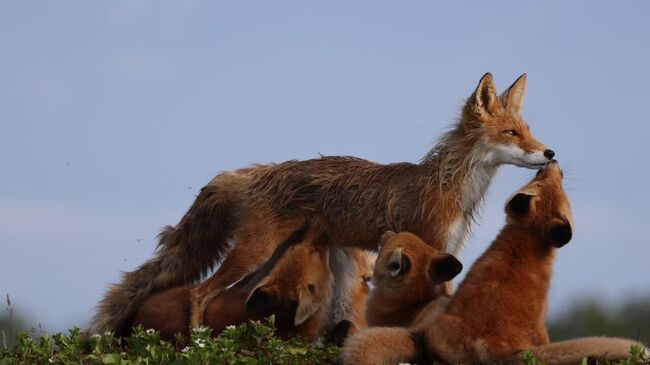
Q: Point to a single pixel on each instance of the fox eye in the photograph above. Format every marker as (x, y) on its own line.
(511, 132)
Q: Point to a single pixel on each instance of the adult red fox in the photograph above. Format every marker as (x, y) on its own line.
(350, 201)
(498, 310)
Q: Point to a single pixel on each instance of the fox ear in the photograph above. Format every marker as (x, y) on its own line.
(307, 305)
(560, 233)
(513, 98)
(444, 268)
(384, 238)
(519, 204)
(260, 301)
(398, 263)
(484, 100)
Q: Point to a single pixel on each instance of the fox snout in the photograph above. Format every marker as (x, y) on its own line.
(549, 154)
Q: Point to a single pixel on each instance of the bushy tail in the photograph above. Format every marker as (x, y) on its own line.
(592, 348)
(185, 253)
(383, 345)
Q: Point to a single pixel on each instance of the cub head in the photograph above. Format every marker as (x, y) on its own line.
(361, 264)
(542, 206)
(497, 122)
(297, 287)
(407, 266)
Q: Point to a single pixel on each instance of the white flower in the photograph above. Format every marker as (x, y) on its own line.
(50, 360)
(200, 329)
(231, 327)
(95, 336)
(185, 349)
(150, 331)
(200, 342)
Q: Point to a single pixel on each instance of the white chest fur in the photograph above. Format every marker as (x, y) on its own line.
(475, 186)
(458, 234)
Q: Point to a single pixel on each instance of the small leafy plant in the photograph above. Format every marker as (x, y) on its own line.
(250, 343)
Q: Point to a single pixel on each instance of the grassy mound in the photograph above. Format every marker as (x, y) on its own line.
(251, 343)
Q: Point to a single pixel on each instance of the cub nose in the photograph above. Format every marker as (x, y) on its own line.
(549, 154)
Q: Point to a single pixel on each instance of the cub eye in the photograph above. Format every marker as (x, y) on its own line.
(511, 132)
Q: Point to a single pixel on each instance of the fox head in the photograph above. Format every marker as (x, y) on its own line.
(299, 285)
(542, 206)
(407, 266)
(498, 122)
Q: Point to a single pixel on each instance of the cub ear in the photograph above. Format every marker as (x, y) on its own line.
(444, 268)
(560, 234)
(307, 304)
(513, 98)
(398, 263)
(484, 99)
(519, 204)
(261, 301)
(384, 238)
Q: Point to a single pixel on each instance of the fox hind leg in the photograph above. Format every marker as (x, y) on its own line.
(251, 252)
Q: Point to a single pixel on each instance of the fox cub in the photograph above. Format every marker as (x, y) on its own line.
(407, 278)
(498, 310)
(297, 291)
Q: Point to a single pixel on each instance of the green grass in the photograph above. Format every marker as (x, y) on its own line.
(250, 343)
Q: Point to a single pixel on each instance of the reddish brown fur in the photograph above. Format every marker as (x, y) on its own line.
(168, 311)
(499, 308)
(355, 200)
(352, 201)
(299, 289)
(398, 297)
(300, 284)
(500, 305)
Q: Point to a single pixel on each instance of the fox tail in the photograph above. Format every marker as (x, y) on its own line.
(185, 253)
(592, 348)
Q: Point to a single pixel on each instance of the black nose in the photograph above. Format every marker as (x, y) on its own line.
(549, 154)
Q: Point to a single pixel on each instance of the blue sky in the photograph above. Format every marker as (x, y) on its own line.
(114, 114)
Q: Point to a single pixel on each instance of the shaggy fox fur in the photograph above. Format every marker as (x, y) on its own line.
(499, 308)
(297, 290)
(350, 200)
(407, 278)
